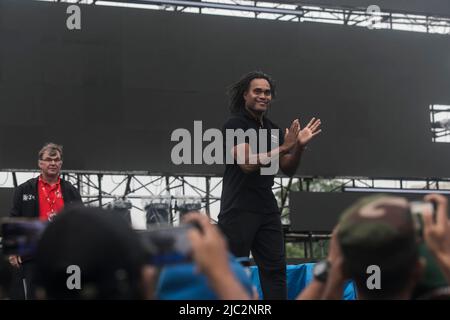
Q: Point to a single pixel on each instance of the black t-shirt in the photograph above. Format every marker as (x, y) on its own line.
(249, 191)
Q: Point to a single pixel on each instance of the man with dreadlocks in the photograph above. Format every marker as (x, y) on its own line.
(249, 215)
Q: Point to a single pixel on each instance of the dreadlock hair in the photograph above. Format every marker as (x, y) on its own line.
(236, 91)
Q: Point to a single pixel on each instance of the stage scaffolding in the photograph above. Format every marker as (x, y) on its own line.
(295, 12)
(172, 189)
(175, 190)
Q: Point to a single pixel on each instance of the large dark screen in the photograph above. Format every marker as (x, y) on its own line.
(113, 92)
(320, 211)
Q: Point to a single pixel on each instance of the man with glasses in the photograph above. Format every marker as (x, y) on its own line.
(45, 196)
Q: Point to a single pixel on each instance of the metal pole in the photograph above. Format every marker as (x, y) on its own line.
(170, 202)
(285, 195)
(127, 188)
(14, 179)
(79, 183)
(100, 193)
(208, 191)
(310, 241)
(308, 181)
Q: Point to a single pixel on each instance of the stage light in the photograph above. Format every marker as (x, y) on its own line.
(187, 206)
(121, 206)
(157, 213)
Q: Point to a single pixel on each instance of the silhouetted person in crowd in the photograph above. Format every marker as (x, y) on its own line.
(98, 244)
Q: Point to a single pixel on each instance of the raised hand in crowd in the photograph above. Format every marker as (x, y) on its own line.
(210, 254)
(437, 233)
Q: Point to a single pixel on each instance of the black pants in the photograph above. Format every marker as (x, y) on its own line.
(18, 291)
(261, 234)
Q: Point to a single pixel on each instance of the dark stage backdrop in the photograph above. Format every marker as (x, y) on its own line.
(113, 92)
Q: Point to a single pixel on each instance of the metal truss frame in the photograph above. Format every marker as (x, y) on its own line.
(440, 130)
(293, 12)
(345, 184)
(173, 192)
(92, 190)
(136, 185)
(91, 187)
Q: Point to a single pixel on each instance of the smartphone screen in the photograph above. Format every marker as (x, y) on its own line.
(418, 208)
(20, 237)
(167, 245)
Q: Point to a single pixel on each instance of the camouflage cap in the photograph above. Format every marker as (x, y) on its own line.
(378, 230)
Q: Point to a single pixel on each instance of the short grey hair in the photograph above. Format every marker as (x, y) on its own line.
(52, 149)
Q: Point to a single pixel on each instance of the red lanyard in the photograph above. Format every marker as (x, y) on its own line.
(47, 197)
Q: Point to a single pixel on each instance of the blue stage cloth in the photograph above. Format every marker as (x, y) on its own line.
(298, 277)
(183, 282)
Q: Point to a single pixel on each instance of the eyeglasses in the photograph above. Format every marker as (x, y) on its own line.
(56, 160)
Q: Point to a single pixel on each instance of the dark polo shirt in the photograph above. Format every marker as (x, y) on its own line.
(249, 191)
